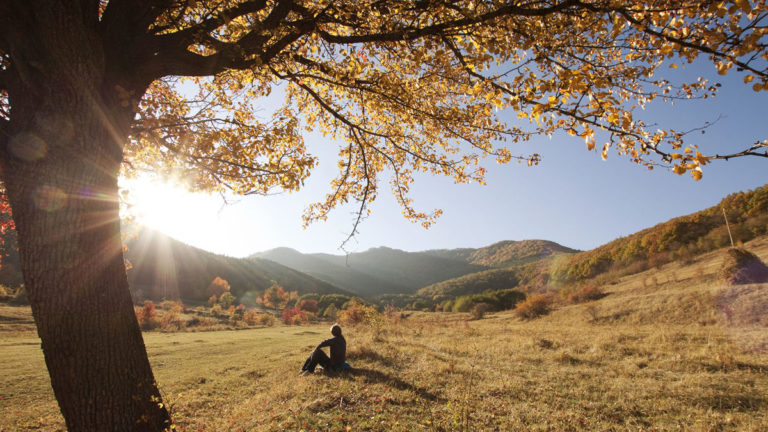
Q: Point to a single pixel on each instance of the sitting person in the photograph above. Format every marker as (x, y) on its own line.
(338, 348)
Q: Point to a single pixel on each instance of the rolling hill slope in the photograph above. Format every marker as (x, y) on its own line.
(376, 271)
(506, 253)
(682, 238)
(383, 270)
(166, 268)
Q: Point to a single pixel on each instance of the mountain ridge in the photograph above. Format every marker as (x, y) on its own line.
(407, 272)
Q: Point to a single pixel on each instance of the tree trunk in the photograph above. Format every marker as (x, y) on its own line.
(60, 160)
(66, 211)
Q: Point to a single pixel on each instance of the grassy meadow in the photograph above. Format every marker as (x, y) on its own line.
(667, 349)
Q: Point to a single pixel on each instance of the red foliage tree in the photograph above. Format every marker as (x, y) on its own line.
(308, 305)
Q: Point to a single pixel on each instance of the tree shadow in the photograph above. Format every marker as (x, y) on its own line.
(364, 353)
(375, 376)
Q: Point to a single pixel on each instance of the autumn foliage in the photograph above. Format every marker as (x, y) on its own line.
(147, 316)
(308, 305)
(405, 87)
(358, 313)
(218, 287)
(534, 306)
(294, 315)
(275, 297)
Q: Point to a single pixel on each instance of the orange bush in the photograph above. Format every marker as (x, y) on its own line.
(534, 306)
(294, 316)
(147, 316)
(252, 317)
(357, 313)
(218, 286)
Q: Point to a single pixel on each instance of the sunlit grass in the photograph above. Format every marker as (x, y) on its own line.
(649, 356)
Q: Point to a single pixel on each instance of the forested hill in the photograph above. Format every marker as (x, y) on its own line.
(375, 271)
(505, 253)
(383, 270)
(161, 267)
(681, 238)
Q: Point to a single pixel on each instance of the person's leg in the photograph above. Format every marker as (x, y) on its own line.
(321, 358)
(317, 357)
(308, 364)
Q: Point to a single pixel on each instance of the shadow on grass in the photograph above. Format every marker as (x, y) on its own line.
(364, 353)
(374, 376)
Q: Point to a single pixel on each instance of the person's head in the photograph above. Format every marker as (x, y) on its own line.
(336, 330)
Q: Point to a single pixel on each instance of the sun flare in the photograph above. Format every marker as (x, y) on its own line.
(165, 206)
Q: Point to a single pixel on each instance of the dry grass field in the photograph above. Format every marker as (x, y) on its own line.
(667, 349)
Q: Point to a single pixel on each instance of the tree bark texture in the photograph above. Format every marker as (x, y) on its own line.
(60, 160)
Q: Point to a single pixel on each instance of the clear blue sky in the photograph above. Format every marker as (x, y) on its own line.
(573, 197)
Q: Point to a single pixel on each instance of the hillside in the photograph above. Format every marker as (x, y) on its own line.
(376, 271)
(162, 267)
(333, 270)
(506, 253)
(679, 238)
(494, 280)
(682, 238)
(669, 348)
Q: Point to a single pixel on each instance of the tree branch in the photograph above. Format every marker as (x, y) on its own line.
(411, 33)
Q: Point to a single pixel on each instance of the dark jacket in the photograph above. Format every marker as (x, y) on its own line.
(338, 346)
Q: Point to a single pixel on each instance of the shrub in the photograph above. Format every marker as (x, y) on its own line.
(479, 310)
(275, 297)
(147, 316)
(236, 313)
(171, 321)
(462, 304)
(585, 294)
(252, 317)
(534, 306)
(508, 298)
(171, 305)
(216, 310)
(294, 316)
(212, 300)
(218, 287)
(331, 312)
(226, 300)
(308, 305)
(357, 313)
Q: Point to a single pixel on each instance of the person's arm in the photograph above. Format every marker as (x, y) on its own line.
(325, 343)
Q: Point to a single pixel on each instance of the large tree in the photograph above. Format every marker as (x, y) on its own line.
(88, 87)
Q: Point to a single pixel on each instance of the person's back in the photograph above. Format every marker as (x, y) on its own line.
(338, 347)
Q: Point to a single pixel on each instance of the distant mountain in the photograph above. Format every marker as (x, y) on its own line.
(162, 267)
(376, 271)
(334, 270)
(384, 270)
